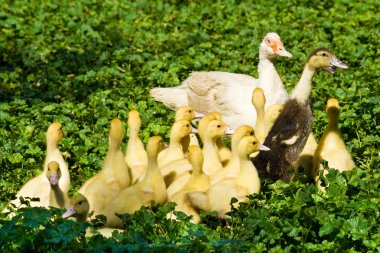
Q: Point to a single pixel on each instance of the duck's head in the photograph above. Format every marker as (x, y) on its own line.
(195, 157)
(116, 130)
(325, 59)
(53, 173)
(181, 128)
(155, 145)
(55, 132)
(185, 112)
(249, 145)
(258, 98)
(332, 108)
(271, 46)
(134, 120)
(240, 132)
(78, 208)
(217, 128)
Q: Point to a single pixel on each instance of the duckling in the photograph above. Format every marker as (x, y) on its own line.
(223, 151)
(187, 113)
(230, 93)
(331, 147)
(54, 135)
(174, 152)
(45, 187)
(79, 209)
(271, 114)
(218, 196)
(258, 101)
(135, 156)
(288, 135)
(141, 194)
(114, 175)
(232, 169)
(213, 130)
(197, 182)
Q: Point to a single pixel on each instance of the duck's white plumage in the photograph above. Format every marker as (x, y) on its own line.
(230, 93)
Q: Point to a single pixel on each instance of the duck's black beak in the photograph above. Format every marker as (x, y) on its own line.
(335, 63)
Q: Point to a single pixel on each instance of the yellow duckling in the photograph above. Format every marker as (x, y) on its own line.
(114, 175)
(135, 156)
(331, 147)
(152, 187)
(197, 182)
(224, 152)
(232, 169)
(79, 209)
(45, 187)
(54, 135)
(258, 101)
(187, 113)
(174, 152)
(213, 130)
(218, 196)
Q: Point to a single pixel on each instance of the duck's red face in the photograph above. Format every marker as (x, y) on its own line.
(273, 41)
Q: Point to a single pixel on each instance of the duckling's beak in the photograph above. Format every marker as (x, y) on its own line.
(194, 130)
(53, 179)
(229, 131)
(69, 212)
(335, 63)
(281, 51)
(199, 115)
(263, 148)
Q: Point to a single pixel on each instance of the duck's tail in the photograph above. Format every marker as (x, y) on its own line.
(171, 97)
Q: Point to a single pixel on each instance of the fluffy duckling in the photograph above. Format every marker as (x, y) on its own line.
(187, 113)
(79, 209)
(114, 175)
(197, 182)
(288, 135)
(45, 187)
(224, 152)
(218, 196)
(152, 187)
(331, 147)
(232, 169)
(230, 93)
(174, 152)
(258, 101)
(271, 114)
(54, 135)
(213, 130)
(135, 156)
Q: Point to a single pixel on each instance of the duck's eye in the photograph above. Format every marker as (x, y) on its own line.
(218, 126)
(324, 54)
(187, 125)
(254, 143)
(269, 41)
(251, 133)
(80, 202)
(190, 111)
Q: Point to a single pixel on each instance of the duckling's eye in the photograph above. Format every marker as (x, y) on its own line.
(254, 143)
(324, 54)
(218, 126)
(80, 202)
(190, 111)
(251, 133)
(187, 125)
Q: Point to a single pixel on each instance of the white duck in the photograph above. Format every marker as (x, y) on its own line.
(230, 93)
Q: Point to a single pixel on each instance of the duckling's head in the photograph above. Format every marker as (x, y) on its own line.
(54, 132)
(53, 173)
(258, 98)
(332, 109)
(155, 145)
(325, 59)
(271, 46)
(134, 120)
(116, 130)
(195, 157)
(78, 208)
(249, 145)
(241, 131)
(180, 129)
(217, 128)
(271, 114)
(185, 112)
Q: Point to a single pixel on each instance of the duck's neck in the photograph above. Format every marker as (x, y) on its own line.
(81, 217)
(333, 121)
(175, 142)
(153, 169)
(134, 133)
(249, 174)
(303, 88)
(211, 162)
(57, 197)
